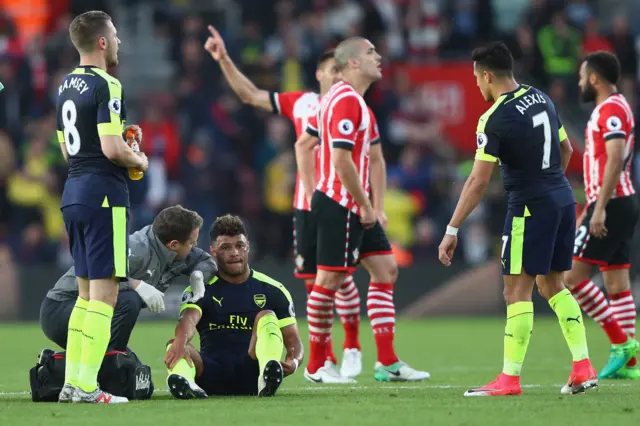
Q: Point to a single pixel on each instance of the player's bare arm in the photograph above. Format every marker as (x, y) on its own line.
(65, 154)
(378, 182)
(472, 193)
(185, 330)
(566, 150)
(295, 349)
(305, 158)
(348, 174)
(116, 150)
(612, 169)
(240, 84)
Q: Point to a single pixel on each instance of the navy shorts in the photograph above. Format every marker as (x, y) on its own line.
(538, 240)
(229, 374)
(98, 239)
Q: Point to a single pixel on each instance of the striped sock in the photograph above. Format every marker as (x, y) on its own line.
(593, 302)
(320, 319)
(382, 315)
(308, 285)
(348, 308)
(624, 311)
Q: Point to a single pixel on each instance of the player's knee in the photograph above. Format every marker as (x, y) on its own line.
(330, 280)
(393, 272)
(571, 280)
(129, 303)
(263, 314)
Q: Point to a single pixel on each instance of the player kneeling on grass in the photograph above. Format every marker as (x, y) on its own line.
(160, 255)
(245, 320)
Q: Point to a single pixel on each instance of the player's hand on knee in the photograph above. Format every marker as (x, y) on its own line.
(175, 354)
(152, 297)
(196, 280)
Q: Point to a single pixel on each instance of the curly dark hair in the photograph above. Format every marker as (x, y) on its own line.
(227, 225)
(176, 223)
(606, 64)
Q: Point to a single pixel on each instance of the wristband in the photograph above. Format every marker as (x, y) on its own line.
(295, 365)
(452, 230)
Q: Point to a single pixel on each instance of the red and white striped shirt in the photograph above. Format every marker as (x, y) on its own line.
(344, 121)
(612, 119)
(298, 107)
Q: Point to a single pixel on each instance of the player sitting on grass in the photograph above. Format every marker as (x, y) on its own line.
(159, 255)
(245, 320)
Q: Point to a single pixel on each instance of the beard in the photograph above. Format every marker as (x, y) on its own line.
(112, 59)
(588, 94)
(233, 270)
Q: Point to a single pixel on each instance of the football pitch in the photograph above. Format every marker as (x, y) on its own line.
(459, 353)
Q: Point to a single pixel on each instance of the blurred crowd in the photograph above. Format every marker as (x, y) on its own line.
(213, 154)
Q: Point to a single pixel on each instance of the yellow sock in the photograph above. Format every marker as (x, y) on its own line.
(74, 341)
(269, 343)
(96, 334)
(570, 318)
(517, 334)
(182, 368)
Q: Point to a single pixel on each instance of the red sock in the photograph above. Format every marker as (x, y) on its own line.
(309, 286)
(328, 354)
(382, 315)
(348, 308)
(624, 311)
(320, 318)
(592, 300)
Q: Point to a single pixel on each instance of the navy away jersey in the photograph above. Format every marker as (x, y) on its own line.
(91, 104)
(229, 311)
(522, 131)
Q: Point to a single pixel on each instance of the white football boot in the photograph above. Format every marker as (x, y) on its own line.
(327, 374)
(398, 372)
(98, 396)
(351, 363)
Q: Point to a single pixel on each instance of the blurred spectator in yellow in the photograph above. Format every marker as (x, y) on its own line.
(7, 165)
(560, 47)
(34, 185)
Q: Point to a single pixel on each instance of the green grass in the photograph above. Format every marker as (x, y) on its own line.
(459, 353)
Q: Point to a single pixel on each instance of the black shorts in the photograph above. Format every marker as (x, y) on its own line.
(229, 374)
(305, 243)
(614, 250)
(538, 240)
(342, 241)
(98, 240)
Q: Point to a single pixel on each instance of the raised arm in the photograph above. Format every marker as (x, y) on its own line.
(240, 84)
